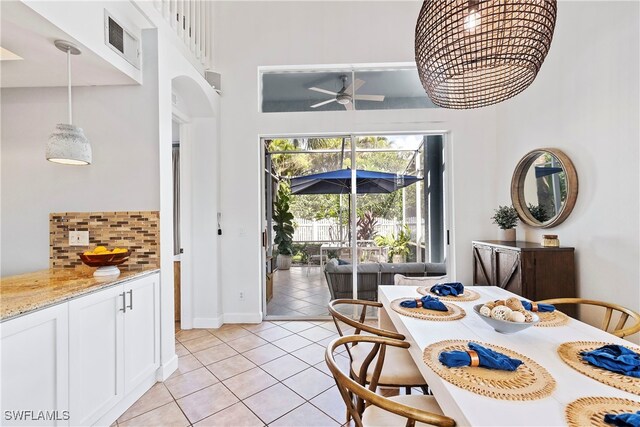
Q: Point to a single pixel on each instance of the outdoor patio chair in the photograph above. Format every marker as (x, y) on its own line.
(313, 255)
(371, 409)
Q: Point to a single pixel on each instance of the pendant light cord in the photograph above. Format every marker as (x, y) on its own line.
(69, 84)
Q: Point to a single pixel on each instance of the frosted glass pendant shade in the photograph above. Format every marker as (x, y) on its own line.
(68, 145)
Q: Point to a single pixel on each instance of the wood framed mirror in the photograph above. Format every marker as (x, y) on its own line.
(544, 187)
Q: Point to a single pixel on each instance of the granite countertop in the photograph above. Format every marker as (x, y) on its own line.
(29, 292)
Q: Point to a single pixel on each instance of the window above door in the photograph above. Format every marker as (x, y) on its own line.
(341, 89)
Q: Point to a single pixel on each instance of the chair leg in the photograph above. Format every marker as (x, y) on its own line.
(425, 389)
(407, 390)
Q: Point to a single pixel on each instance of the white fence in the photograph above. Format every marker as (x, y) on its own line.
(191, 21)
(326, 230)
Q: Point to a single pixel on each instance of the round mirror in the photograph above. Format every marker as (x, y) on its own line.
(544, 187)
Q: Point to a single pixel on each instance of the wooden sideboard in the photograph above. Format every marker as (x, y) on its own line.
(525, 268)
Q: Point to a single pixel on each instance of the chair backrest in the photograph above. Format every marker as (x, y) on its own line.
(312, 249)
(619, 330)
(358, 324)
(347, 386)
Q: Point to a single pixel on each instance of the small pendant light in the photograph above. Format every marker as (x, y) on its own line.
(67, 144)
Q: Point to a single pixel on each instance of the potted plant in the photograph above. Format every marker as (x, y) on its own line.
(283, 227)
(506, 217)
(398, 245)
(539, 213)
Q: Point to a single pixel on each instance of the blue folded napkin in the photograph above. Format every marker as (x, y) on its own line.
(542, 308)
(446, 289)
(614, 358)
(428, 302)
(623, 420)
(488, 358)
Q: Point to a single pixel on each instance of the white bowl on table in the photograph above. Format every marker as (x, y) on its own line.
(505, 326)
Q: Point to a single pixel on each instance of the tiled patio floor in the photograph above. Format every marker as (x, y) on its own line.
(271, 374)
(297, 294)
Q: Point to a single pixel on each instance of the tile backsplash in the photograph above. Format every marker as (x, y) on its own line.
(137, 231)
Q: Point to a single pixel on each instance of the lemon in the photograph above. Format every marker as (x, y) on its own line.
(119, 251)
(99, 250)
(88, 253)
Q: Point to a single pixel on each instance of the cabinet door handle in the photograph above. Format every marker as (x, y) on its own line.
(130, 307)
(124, 304)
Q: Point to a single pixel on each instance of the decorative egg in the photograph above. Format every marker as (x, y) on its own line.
(528, 317)
(500, 302)
(516, 316)
(514, 304)
(485, 310)
(501, 312)
(490, 304)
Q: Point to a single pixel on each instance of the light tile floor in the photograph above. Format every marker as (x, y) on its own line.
(296, 293)
(299, 294)
(272, 373)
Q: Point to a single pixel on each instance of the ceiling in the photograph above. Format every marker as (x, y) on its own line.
(289, 91)
(29, 35)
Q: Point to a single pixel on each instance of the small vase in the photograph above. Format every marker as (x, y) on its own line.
(508, 235)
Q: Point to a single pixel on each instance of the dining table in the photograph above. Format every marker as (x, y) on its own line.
(537, 343)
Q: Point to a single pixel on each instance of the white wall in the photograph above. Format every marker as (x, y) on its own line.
(84, 21)
(123, 132)
(586, 103)
(301, 33)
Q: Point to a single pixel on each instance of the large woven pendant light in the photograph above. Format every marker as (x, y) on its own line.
(67, 144)
(473, 53)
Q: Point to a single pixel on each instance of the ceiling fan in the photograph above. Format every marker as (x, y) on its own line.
(346, 95)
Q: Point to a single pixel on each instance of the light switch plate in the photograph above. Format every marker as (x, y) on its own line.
(78, 238)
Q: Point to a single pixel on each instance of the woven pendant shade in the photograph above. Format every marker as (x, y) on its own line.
(475, 53)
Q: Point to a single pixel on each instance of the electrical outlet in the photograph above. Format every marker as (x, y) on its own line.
(78, 238)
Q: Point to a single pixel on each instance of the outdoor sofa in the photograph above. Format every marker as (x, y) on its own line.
(373, 274)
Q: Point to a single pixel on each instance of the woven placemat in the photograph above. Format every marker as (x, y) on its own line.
(552, 319)
(467, 295)
(453, 311)
(529, 382)
(590, 411)
(570, 353)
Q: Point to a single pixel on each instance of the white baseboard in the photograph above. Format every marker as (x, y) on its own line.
(243, 317)
(166, 369)
(207, 322)
(119, 408)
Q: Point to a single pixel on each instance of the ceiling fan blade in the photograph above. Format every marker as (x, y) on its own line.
(348, 106)
(328, 92)
(328, 101)
(353, 87)
(370, 97)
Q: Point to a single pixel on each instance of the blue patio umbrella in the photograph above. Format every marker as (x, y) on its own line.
(339, 182)
(542, 171)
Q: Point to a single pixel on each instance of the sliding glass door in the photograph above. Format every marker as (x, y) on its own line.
(362, 208)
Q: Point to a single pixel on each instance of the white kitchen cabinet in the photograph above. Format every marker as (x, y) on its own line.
(96, 354)
(114, 346)
(35, 368)
(141, 327)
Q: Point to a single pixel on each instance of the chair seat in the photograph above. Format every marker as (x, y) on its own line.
(374, 416)
(398, 369)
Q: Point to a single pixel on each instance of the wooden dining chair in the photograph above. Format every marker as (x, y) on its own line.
(379, 410)
(619, 330)
(400, 371)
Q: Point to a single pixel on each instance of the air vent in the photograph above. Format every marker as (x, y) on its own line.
(121, 40)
